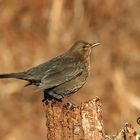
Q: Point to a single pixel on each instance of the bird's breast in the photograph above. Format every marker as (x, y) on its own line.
(86, 62)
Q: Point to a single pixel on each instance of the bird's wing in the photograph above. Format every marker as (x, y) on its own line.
(60, 74)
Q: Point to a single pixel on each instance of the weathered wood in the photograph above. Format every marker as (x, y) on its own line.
(126, 133)
(81, 123)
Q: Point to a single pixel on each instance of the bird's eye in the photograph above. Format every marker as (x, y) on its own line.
(84, 47)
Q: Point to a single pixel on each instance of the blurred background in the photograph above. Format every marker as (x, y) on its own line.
(32, 32)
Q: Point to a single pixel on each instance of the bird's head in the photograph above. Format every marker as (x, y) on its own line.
(82, 48)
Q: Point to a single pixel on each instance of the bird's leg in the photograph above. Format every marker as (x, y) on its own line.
(68, 103)
(47, 97)
(52, 95)
(56, 96)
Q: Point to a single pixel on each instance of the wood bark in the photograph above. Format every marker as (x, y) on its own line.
(80, 123)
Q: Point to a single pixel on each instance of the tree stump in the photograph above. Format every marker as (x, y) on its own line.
(80, 123)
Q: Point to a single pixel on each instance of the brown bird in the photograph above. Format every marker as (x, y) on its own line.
(62, 75)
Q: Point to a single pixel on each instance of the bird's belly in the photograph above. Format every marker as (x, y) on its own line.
(72, 86)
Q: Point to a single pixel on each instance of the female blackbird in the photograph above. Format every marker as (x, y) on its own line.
(62, 75)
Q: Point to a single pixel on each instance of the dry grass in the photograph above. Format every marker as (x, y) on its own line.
(32, 32)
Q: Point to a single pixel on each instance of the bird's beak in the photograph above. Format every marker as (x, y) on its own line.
(95, 44)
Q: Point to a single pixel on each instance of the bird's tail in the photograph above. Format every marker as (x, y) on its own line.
(19, 75)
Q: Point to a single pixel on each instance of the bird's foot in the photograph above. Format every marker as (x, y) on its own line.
(68, 103)
(51, 96)
(49, 99)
